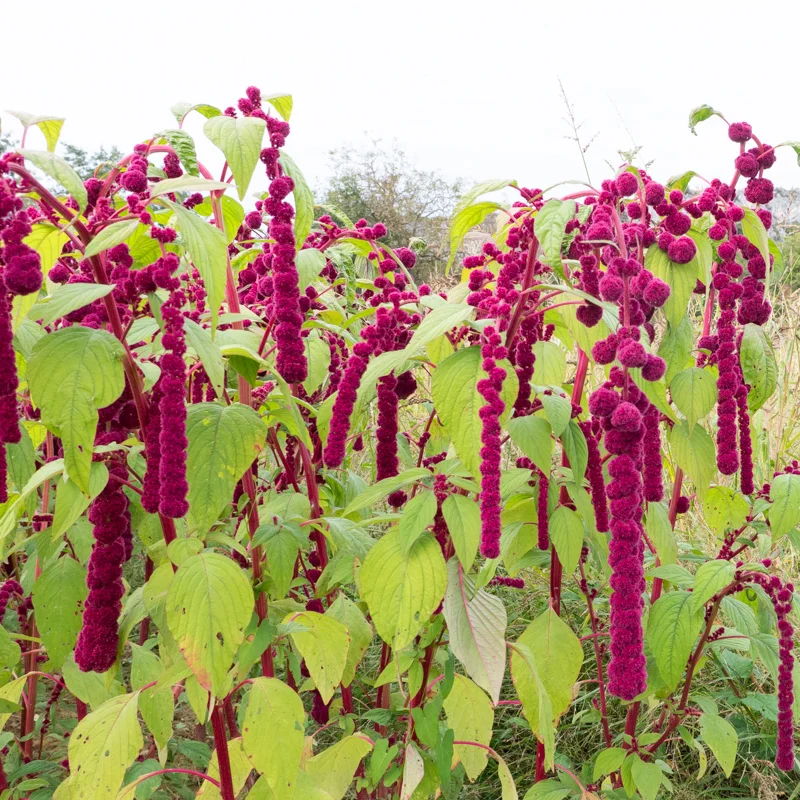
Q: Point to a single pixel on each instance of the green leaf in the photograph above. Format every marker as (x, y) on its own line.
(184, 148)
(49, 126)
(458, 402)
(68, 298)
(199, 339)
(209, 603)
(186, 183)
(155, 704)
(558, 410)
(508, 789)
(309, 263)
(479, 189)
(549, 225)
(463, 221)
(383, 488)
(281, 548)
(10, 693)
(323, 646)
(694, 392)
(558, 657)
(681, 181)
(348, 613)
(92, 688)
(550, 366)
(303, 200)
(759, 368)
(753, 228)
(436, 323)
(705, 254)
(608, 761)
(111, 236)
(58, 596)
(536, 704)
(574, 443)
(332, 769)
(722, 739)
(181, 110)
(282, 103)
(240, 141)
(272, 733)
(103, 746)
(402, 589)
(672, 628)
(47, 241)
(241, 767)
(71, 373)
(681, 279)
(418, 514)
(71, 502)
(709, 579)
(694, 451)
(661, 534)
(476, 622)
(59, 171)
(463, 518)
(318, 355)
(647, 777)
(676, 348)
(223, 442)
(470, 716)
(208, 250)
(700, 114)
(566, 533)
(784, 513)
(724, 509)
(532, 436)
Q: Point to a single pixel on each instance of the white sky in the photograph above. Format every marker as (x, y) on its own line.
(469, 88)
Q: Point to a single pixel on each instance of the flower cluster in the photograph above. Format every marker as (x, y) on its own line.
(542, 521)
(9, 588)
(594, 472)
(99, 637)
(9, 419)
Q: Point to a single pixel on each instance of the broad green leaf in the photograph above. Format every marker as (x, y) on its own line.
(558, 410)
(92, 688)
(111, 236)
(705, 254)
(694, 452)
(402, 589)
(47, 241)
(784, 513)
(281, 548)
(272, 733)
(282, 103)
(721, 738)
(49, 126)
(549, 225)
(332, 770)
(566, 533)
(323, 646)
(681, 279)
(436, 323)
(68, 298)
(73, 372)
(608, 761)
(479, 189)
(533, 436)
(709, 579)
(536, 704)
(464, 221)
(672, 628)
(348, 613)
(155, 704)
(309, 263)
(550, 366)
(661, 533)
(223, 442)
(700, 114)
(647, 777)
(508, 789)
(725, 509)
(576, 449)
(58, 596)
(10, 654)
(694, 392)
(753, 228)
(186, 183)
(71, 502)
(209, 353)
(184, 148)
(208, 250)
(463, 518)
(476, 622)
(209, 604)
(103, 745)
(417, 515)
(10, 695)
(558, 656)
(383, 488)
(471, 716)
(240, 141)
(458, 402)
(413, 771)
(318, 355)
(59, 171)
(303, 200)
(675, 348)
(181, 110)
(759, 368)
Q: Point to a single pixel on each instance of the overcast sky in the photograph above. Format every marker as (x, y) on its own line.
(468, 88)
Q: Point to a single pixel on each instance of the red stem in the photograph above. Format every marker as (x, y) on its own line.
(223, 757)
